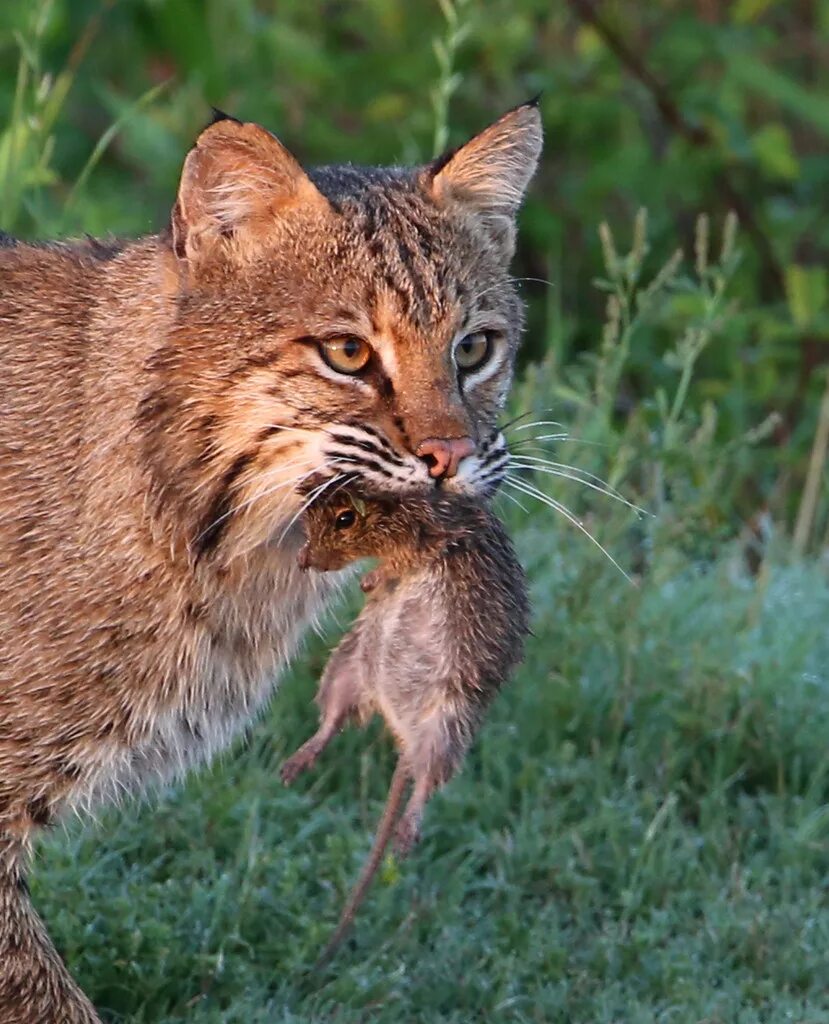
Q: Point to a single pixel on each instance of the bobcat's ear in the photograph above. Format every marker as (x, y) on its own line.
(236, 181)
(490, 173)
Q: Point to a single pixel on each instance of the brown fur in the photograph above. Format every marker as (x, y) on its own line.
(443, 627)
(163, 409)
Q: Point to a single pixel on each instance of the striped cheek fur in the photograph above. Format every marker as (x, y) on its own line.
(364, 454)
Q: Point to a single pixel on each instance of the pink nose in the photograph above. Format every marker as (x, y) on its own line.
(442, 454)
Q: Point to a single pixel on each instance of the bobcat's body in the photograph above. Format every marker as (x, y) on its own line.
(166, 408)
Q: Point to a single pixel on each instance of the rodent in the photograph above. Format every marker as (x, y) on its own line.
(443, 627)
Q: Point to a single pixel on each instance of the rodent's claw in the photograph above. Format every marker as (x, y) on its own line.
(288, 772)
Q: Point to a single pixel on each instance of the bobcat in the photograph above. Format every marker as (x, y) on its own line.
(169, 406)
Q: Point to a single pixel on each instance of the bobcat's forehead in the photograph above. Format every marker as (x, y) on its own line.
(382, 256)
(414, 258)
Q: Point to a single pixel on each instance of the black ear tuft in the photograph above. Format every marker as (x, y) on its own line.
(220, 115)
(437, 165)
(534, 101)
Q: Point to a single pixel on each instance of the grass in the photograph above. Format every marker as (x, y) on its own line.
(640, 834)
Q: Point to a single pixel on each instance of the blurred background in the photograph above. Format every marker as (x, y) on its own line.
(642, 833)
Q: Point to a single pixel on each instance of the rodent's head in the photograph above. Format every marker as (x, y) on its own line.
(340, 531)
(337, 325)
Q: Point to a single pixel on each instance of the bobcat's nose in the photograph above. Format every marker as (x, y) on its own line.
(442, 454)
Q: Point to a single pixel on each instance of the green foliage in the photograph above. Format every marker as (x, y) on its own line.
(641, 833)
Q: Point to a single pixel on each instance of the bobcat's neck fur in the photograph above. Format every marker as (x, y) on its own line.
(167, 408)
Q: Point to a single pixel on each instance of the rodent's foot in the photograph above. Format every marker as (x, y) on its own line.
(406, 835)
(298, 763)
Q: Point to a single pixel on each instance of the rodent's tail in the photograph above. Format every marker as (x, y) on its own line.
(35, 987)
(391, 812)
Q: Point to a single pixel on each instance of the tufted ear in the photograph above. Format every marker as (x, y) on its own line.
(489, 175)
(236, 180)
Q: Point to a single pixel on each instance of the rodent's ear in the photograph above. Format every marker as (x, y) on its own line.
(455, 537)
(490, 173)
(236, 180)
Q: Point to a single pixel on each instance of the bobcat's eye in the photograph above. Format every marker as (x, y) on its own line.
(344, 519)
(473, 350)
(345, 355)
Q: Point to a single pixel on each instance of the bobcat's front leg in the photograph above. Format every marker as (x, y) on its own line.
(35, 986)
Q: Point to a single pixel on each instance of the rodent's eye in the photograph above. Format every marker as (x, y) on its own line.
(344, 519)
(345, 355)
(473, 350)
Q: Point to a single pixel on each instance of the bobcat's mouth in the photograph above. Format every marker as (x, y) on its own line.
(325, 461)
(362, 454)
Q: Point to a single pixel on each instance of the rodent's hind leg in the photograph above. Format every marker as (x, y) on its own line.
(339, 699)
(306, 756)
(407, 832)
(434, 751)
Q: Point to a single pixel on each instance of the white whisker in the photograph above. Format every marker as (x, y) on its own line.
(513, 499)
(568, 467)
(275, 516)
(566, 472)
(304, 476)
(537, 280)
(558, 437)
(280, 466)
(511, 280)
(256, 497)
(517, 419)
(539, 423)
(542, 437)
(527, 446)
(315, 493)
(533, 492)
(297, 430)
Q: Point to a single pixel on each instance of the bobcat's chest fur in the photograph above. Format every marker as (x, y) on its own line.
(207, 685)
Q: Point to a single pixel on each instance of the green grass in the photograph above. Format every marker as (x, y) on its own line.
(640, 834)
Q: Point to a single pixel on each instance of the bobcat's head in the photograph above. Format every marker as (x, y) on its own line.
(341, 324)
